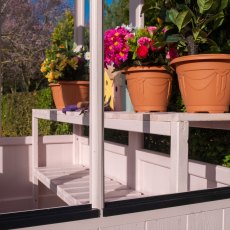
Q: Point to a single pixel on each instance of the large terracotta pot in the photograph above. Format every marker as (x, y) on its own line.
(69, 92)
(204, 82)
(149, 88)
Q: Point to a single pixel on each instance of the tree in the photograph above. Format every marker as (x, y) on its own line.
(25, 33)
(117, 13)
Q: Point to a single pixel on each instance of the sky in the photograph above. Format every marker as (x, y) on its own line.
(71, 2)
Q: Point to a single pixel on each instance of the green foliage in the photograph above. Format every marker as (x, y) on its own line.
(116, 14)
(17, 114)
(209, 145)
(226, 161)
(64, 30)
(194, 21)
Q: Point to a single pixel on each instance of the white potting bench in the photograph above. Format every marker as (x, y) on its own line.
(66, 182)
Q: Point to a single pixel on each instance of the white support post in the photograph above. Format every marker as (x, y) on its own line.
(179, 157)
(77, 133)
(136, 142)
(35, 159)
(79, 22)
(96, 105)
(135, 16)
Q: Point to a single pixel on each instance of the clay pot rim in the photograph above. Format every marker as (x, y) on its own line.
(70, 82)
(201, 57)
(143, 68)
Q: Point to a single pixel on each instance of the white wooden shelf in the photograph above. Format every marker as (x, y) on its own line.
(71, 184)
(172, 124)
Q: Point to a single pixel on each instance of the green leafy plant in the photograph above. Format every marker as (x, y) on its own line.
(194, 22)
(226, 161)
(63, 61)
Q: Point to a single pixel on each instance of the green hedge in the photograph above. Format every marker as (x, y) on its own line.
(17, 114)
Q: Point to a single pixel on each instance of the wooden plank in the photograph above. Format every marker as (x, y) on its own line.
(210, 220)
(226, 219)
(132, 226)
(136, 141)
(74, 187)
(76, 118)
(79, 23)
(142, 126)
(35, 159)
(225, 125)
(173, 223)
(155, 123)
(135, 16)
(179, 157)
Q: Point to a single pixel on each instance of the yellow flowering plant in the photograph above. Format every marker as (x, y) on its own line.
(64, 63)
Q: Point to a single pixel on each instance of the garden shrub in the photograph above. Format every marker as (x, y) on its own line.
(17, 114)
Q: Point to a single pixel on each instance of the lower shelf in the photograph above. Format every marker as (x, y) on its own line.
(71, 184)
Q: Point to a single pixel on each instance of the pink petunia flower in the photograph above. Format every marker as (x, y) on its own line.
(143, 41)
(152, 29)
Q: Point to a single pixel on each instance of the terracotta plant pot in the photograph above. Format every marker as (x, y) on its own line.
(149, 88)
(69, 92)
(204, 82)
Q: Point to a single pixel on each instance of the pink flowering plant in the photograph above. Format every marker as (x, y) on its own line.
(125, 47)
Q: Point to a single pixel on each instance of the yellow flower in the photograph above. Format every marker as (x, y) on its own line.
(50, 76)
(43, 68)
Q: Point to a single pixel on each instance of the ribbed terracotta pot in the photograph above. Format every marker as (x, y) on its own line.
(204, 82)
(149, 88)
(69, 92)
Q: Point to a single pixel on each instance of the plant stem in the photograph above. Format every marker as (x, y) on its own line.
(192, 47)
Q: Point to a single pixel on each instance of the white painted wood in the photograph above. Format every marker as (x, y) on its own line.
(12, 141)
(35, 159)
(179, 157)
(72, 185)
(138, 125)
(155, 123)
(210, 220)
(125, 220)
(79, 23)
(211, 124)
(173, 124)
(212, 172)
(116, 166)
(226, 219)
(77, 134)
(133, 226)
(1, 160)
(135, 142)
(135, 16)
(96, 104)
(173, 223)
(85, 156)
(150, 167)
